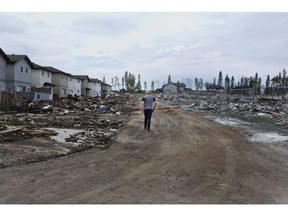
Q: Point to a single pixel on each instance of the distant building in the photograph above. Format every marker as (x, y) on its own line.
(106, 89)
(89, 87)
(96, 87)
(85, 90)
(174, 88)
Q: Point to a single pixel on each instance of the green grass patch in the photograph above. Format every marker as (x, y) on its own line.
(265, 120)
(9, 122)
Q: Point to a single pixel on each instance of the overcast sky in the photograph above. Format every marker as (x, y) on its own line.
(152, 44)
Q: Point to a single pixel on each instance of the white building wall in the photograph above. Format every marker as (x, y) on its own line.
(18, 76)
(84, 85)
(74, 86)
(35, 77)
(170, 89)
(78, 87)
(45, 76)
(95, 88)
(71, 85)
(93, 91)
(10, 78)
(98, 89)
(60, 80)
(64, 85)
(39, 77)
(22, 72)
(2, 74)
(106, 90)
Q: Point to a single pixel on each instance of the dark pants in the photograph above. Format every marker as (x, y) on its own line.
(147, 120)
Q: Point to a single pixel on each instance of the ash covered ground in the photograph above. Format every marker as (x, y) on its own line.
(47, 129)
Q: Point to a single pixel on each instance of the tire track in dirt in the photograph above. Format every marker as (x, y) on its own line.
(172, 160)
(186, 158)
(218, 171)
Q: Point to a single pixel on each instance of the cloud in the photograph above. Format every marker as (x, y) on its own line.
(151, 44)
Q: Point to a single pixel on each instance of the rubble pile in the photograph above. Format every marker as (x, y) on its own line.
(241, 106)
(71, 120)
(98, 119)
(112, 103)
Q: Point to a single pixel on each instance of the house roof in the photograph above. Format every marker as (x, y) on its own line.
(15, 58)
(105, 84)
(4, 55)
(82, 77)
(36, 66)
(48, 84)
(55, 70)
(180, 84)
(94, 80)
(52, 69)
(176, 84)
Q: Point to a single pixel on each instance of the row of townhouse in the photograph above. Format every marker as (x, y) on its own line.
(19, 74)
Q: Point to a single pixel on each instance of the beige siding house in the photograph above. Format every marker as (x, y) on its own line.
(60, 80)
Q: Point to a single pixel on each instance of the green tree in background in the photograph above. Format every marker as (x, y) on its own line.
(152, 85)
(220, 79)
(145, 85)
(138, 85)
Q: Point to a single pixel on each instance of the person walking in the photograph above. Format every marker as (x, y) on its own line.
(148, 107)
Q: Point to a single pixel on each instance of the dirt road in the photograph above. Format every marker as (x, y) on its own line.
(184, 159)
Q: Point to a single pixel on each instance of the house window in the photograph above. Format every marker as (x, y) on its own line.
(78, 81)
(70, 79)
(42, 73)
(21, 69)
(26, 70)
(48, 74)
(62, 77)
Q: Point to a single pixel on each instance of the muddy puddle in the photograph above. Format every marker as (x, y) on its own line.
(63, 134)
(270, 138)
(231, 121)
(253, 136)
(228, 121)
